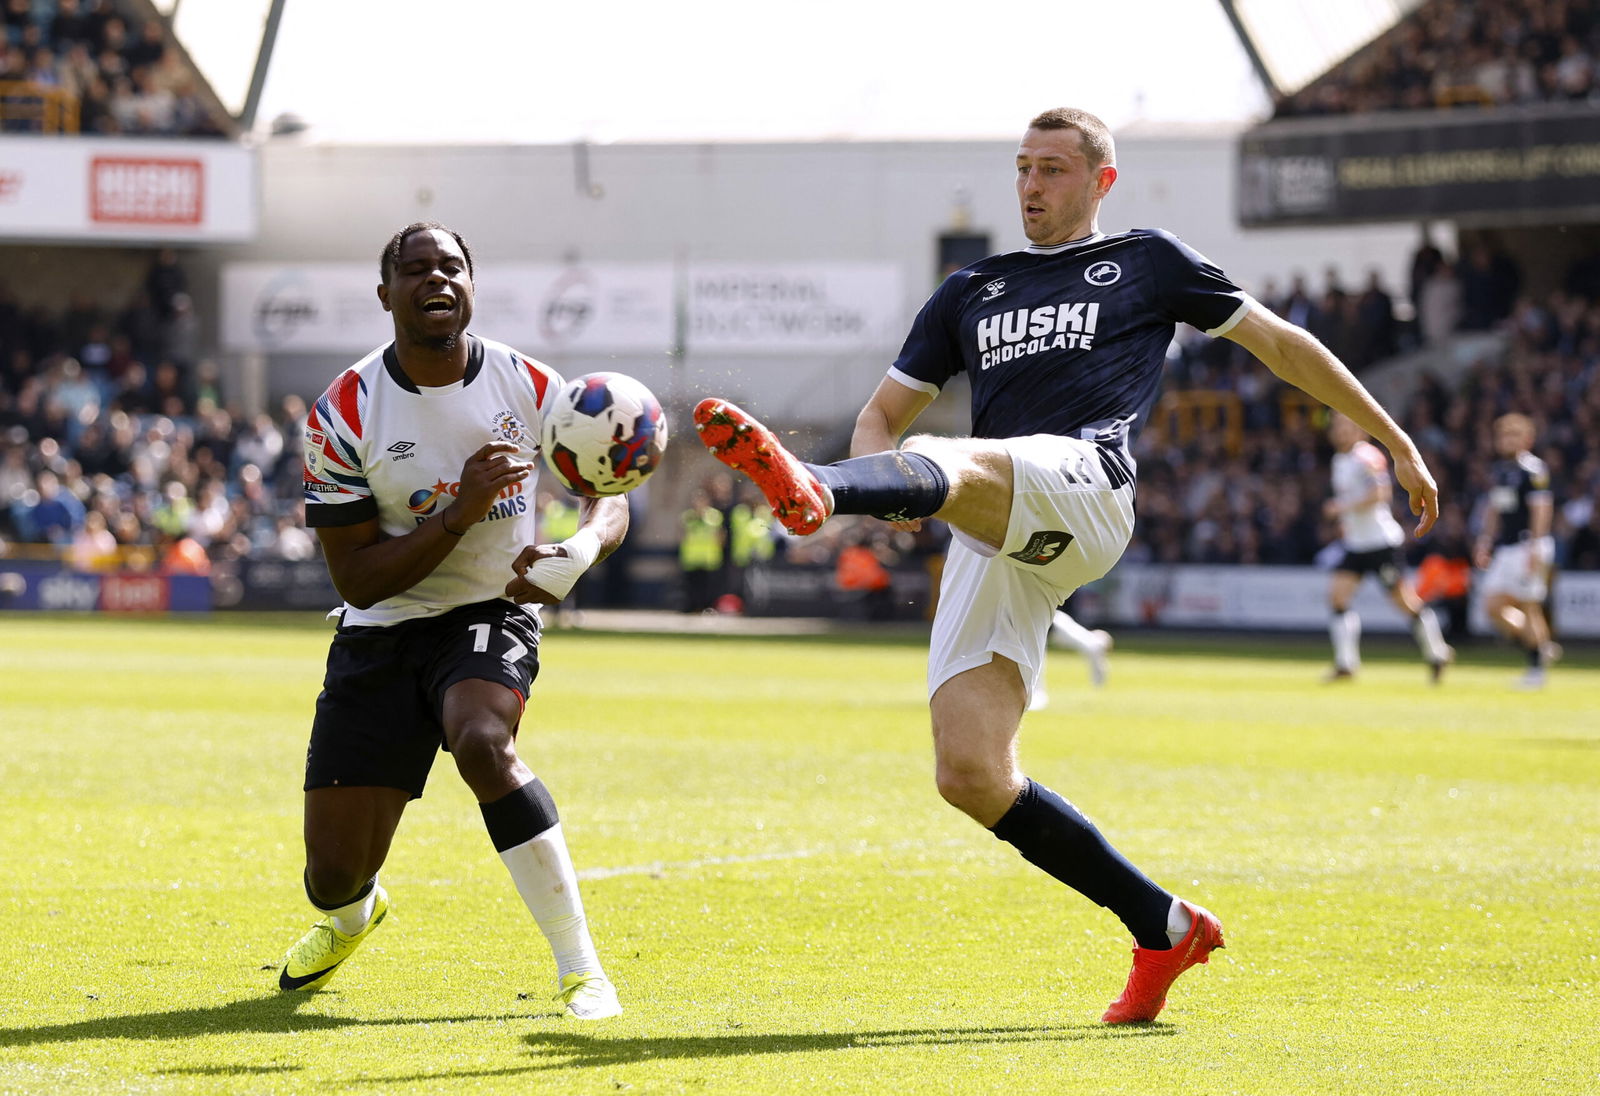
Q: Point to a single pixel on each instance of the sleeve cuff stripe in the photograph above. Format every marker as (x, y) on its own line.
(1245, 305)
(344, 513)
(912, 382)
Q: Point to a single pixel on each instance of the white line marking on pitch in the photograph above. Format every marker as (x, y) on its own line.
(661, 867)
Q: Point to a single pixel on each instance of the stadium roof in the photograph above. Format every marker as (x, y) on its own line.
(230, 42)
(1292, 42)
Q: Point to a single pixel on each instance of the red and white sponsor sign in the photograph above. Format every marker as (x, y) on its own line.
(88, 188)
(146, 190)
(133, 594)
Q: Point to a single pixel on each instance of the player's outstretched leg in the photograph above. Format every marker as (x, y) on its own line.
(318, 954)
(737, 439)
(897, 485)
(1154, 971)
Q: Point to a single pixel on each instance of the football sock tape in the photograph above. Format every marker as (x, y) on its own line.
(520, 815)
(1053, 835)
(894, 486)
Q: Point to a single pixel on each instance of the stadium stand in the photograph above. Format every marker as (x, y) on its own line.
(1464, 53)
(96, 67)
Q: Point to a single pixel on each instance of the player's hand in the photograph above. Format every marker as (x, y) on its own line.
(1481, 555)
(1418, 483)
(912, 526)
(522, 591)
(487, 472)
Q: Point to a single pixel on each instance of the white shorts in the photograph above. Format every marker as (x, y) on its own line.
(1508, 571)
(1070, 521)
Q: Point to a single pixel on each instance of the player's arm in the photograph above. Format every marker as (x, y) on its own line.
(368, 566)
(546, 573)
(886, 417)
(1298, 358)
(1483, 550)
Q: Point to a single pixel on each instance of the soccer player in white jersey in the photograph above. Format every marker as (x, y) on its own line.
(1515, 547)
(1370, 539)
(420, 467)
(1064, 344)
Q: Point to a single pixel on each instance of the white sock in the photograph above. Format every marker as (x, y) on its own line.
(1426, 630)
(1073, 634)
(1345, 630)
(1178, 923)
(542, 870)
(353, 917)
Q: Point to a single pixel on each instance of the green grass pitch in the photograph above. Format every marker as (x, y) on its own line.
(1409, 877)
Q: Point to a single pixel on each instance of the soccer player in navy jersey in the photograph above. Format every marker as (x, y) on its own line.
(1515, 547)
(1064, 343)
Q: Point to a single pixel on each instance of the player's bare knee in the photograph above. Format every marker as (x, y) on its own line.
(969, 785)
(335, 877)
(484, 751)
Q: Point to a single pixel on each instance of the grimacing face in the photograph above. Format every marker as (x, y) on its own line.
(430, 290)
(1057, 190)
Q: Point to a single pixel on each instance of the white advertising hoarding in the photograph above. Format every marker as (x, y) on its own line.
(1295, 599)
(795, 307)
(136, 191)
(538, 308)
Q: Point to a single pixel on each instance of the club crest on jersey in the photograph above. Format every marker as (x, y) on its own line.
(992, 290)
(1042, 547)
(507, 427)
(1103, 272)
(1023, 331)
(314, 441)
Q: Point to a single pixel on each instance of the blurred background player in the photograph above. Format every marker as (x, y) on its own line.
(420, 467)
(1094, 644)
(1064, 344)
(1515, 548)
(1370, 540)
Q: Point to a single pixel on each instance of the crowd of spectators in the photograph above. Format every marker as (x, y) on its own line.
(1259, 499)
(117, 447)
(1466, 53)
(125, 75)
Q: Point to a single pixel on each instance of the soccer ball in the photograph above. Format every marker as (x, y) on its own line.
(604, 434)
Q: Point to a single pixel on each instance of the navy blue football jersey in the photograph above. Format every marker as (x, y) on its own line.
(1516, 483)
(1059, 339)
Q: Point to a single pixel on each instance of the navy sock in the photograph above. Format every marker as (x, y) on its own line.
(366, 888)
(1536, 655)
(519, 816)
(1054, 835)
(895, 486)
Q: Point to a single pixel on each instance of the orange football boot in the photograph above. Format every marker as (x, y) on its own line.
(737, 439)
(1155, 971)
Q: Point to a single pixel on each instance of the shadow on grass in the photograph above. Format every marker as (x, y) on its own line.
(277, 1014)
(572, 1050)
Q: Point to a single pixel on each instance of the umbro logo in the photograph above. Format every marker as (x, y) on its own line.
(1102, 273)
(992, 290)
(402, 450)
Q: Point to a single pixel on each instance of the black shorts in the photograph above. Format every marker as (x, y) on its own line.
(1387, 563)
(379, 719)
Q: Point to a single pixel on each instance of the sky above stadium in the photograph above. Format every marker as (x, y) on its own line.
(641, 70)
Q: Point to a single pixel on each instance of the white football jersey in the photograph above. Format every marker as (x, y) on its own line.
(1355, 474)
(377, 446)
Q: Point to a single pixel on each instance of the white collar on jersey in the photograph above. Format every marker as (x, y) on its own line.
(1069, 245)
